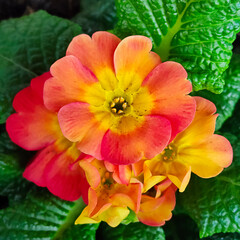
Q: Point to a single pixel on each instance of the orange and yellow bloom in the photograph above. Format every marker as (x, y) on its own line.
(113, 124)
(116, 99)
(197, 149)
(108, 200)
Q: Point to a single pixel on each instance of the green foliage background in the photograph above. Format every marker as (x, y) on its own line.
(198, 34)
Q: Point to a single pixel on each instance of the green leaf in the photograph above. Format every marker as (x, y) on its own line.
(233, 124)
(43, 216)
(198, 34)
(96, 15)
(131, 218)
(221, 236)
(28, 47)
(11, 180)
(6, 145)
(132, 231)
(226, 101)
(12, 163)
(214, 204)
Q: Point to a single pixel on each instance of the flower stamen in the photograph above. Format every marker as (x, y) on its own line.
(107, 180)
(118, 105)
(169, 153)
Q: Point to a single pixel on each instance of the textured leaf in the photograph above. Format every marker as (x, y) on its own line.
(28, 47)
(12, 162)
(43, 216)
(96, 15)
(226, 236)
(132, 231)
(226, 101)
(196, 33)
(11, 174)
(214, 204)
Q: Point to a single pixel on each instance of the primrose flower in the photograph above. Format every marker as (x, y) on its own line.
(107, 200)
(157, 204)
(116, 99)
(197, 149)
(34, 127)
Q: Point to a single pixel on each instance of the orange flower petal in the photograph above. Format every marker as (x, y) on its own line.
(155, 211)
(179, 174)
(96, 53)
(75, 120)
(78, 124)
(133, 191)
(91, 142)
(125, 173)
(210, 157)
(133, 61)
(201, 127)
(92, 173)
(168, 84)
(92, 201)
(69, 83)
(144, 141)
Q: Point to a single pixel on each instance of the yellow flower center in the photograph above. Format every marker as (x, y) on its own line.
(107, 180)
(169, 153)
(118, 105)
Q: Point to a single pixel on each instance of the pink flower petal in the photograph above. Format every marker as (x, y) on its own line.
(169, 85)
(146, 141)
(34, 172)
(64, 177)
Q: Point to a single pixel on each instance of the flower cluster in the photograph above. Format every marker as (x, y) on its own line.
(113, 124)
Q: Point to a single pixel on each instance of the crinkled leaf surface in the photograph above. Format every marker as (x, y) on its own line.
(96, 15)
(214, 204)
(196, 33)
(28, 47)
(11, 180)
(224, 236)
(132, 231)
(43, 216)
(226, 101)
(12, 163)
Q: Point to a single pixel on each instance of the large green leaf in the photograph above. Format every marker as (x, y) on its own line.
(132, 231)
(225, 236)
(43, 216)
(214, 204)
(12, 163)
(96, 15)
(226, 101)
(11, 180)
(28, 47)
(196, 33)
